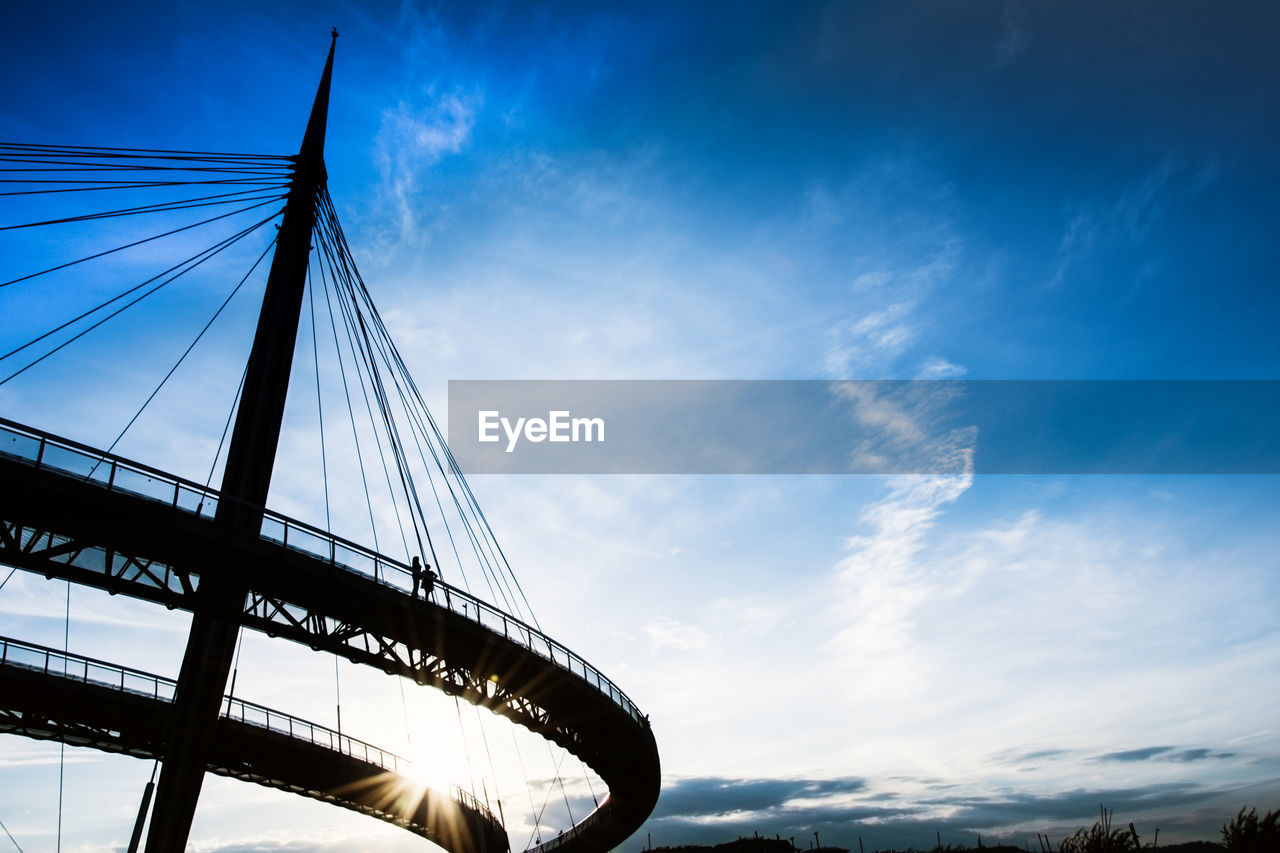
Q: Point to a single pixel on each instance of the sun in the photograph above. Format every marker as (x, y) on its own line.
(438, 767)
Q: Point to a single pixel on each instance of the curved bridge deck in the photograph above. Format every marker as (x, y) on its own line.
(52, 695)
(74, 512)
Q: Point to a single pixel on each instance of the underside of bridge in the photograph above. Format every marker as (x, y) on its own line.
(48, 705)
(98, 535)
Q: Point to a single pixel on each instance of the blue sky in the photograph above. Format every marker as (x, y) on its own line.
(746, 191)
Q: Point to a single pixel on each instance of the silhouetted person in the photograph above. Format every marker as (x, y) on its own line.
(424, 580)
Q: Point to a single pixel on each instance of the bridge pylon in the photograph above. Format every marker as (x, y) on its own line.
(246, 481)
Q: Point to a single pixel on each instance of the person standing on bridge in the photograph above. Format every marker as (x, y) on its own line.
(425, 581)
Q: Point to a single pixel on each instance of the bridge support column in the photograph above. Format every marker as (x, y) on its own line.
(245, 484)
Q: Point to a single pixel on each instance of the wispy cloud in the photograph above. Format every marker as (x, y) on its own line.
(415, 135)
(1077, 240)
(1128, 218)
(1136, 754)
(702, 797)
(1163, 753)
(49, 756)
(860, 344)
(665, 632)
(892, 301)
(937, 367)
(881, 584)
(1013, 34)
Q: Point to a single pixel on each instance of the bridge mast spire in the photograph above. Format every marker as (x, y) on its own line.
(245, 483)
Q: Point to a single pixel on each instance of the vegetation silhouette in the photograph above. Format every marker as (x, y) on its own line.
(1101, 838)
(1246, 833)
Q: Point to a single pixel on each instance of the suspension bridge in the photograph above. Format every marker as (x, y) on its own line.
(95, 519)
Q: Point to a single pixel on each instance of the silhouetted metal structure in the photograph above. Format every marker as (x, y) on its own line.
(246, 480)
(87, 702)
(73, 512)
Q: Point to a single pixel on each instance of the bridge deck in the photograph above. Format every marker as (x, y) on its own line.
(52, 695)
(77, 513)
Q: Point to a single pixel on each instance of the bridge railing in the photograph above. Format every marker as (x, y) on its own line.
(114, 473)
(342, 554)
(126, 680)
(348, 556)
(86, 670)
(122, 475)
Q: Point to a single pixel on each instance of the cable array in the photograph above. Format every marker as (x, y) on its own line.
(410, 444)
(415, 496)
(173, 182)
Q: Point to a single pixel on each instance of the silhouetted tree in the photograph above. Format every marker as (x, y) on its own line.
(1247, 834)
